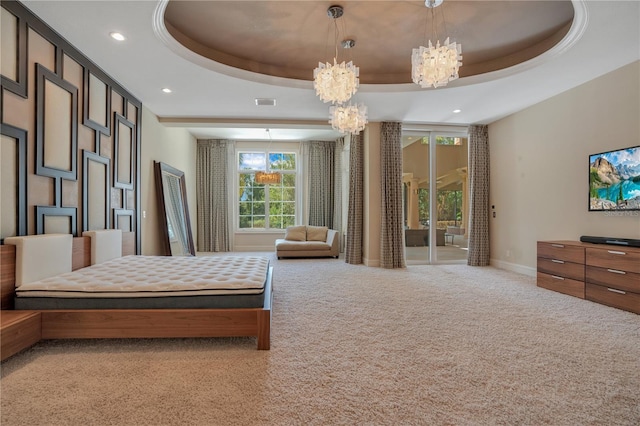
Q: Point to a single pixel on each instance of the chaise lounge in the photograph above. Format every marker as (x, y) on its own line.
(308, 241)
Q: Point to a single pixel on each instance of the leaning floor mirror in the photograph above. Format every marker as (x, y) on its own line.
(173, 211)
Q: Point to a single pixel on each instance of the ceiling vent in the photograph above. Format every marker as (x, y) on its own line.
(265, 102)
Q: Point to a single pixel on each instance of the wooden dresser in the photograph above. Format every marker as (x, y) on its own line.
(602, 273)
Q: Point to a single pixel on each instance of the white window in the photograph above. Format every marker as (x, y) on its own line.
(266, 205)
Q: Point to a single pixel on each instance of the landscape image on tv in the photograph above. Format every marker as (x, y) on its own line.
(614, 180)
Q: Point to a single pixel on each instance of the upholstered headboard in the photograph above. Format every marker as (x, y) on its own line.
(106, 244)
(41, 256)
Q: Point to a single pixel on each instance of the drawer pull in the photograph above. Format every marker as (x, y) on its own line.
(615, 271)
(616, 252)
(557, 261)
(613, 290)
(557, 245)
(557, 277)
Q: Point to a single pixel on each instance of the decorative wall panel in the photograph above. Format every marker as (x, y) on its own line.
(96, 191)
(74, 159)
(123, 219)
(13, 59)
(56, 220)
(56, 126)
(97, 103)
(13, 182)
(124, 148)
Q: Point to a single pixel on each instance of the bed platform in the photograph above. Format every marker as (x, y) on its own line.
(252, 318)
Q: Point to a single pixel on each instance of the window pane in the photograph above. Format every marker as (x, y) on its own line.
(288, 161)
(275, 193)
(252, 161)
(258, 193)
(275, 160)
(288, 179)
(245, 179)
(258, 208)
(275, 209)
(245, 208)
(288, 194)
(245, 222)
(289, 208)
(258, 221)
(282, 161)
(288, 221)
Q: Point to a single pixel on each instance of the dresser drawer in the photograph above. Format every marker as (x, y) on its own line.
(560, 284)
(561, 251)
(615, 278)
(620, 258)
(561, 268)
(613, 297)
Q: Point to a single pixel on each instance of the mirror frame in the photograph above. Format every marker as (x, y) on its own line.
(159, 169)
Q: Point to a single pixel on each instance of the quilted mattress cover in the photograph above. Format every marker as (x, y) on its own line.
(156, 276)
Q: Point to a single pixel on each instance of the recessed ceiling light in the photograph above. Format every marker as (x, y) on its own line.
(455, 111)
(166, 90)
(117, 36)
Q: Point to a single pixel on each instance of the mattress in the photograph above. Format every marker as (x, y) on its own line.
(153, 282)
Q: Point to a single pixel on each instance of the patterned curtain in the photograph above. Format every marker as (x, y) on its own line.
(321, 171)
(391, 232)
(353, 252)
(337, 199)
(479, 194)
(212, 195)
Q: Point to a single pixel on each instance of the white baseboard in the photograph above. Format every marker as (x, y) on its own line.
(374, 263)
(521, 269)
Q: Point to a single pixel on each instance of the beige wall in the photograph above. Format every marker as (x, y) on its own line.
(539, 167)
(177, 148)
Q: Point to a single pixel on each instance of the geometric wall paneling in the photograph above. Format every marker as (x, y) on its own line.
(124, 152)
(13, 181)
(123, 219)
(56, 220)
(96, 191)
(97, 103)
(13, 59)
(56, 126)
(60, 76)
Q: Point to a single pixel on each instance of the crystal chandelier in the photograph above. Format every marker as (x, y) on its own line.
(338, 82)
(435, 65)
(348, 118)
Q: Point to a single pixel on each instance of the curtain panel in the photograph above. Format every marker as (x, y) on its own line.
(355, 213)
(479, 194)
(337, 198)
(212, 195)
(321, 175)
(391, 232)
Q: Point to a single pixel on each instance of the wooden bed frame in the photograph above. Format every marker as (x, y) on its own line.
(141, 323)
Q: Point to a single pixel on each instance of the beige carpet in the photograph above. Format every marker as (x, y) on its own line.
(352, 345)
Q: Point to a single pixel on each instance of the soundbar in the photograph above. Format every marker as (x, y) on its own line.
(610, 240)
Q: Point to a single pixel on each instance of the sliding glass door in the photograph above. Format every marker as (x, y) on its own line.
(435, 196)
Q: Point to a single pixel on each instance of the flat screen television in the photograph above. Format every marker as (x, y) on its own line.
(614, 180)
